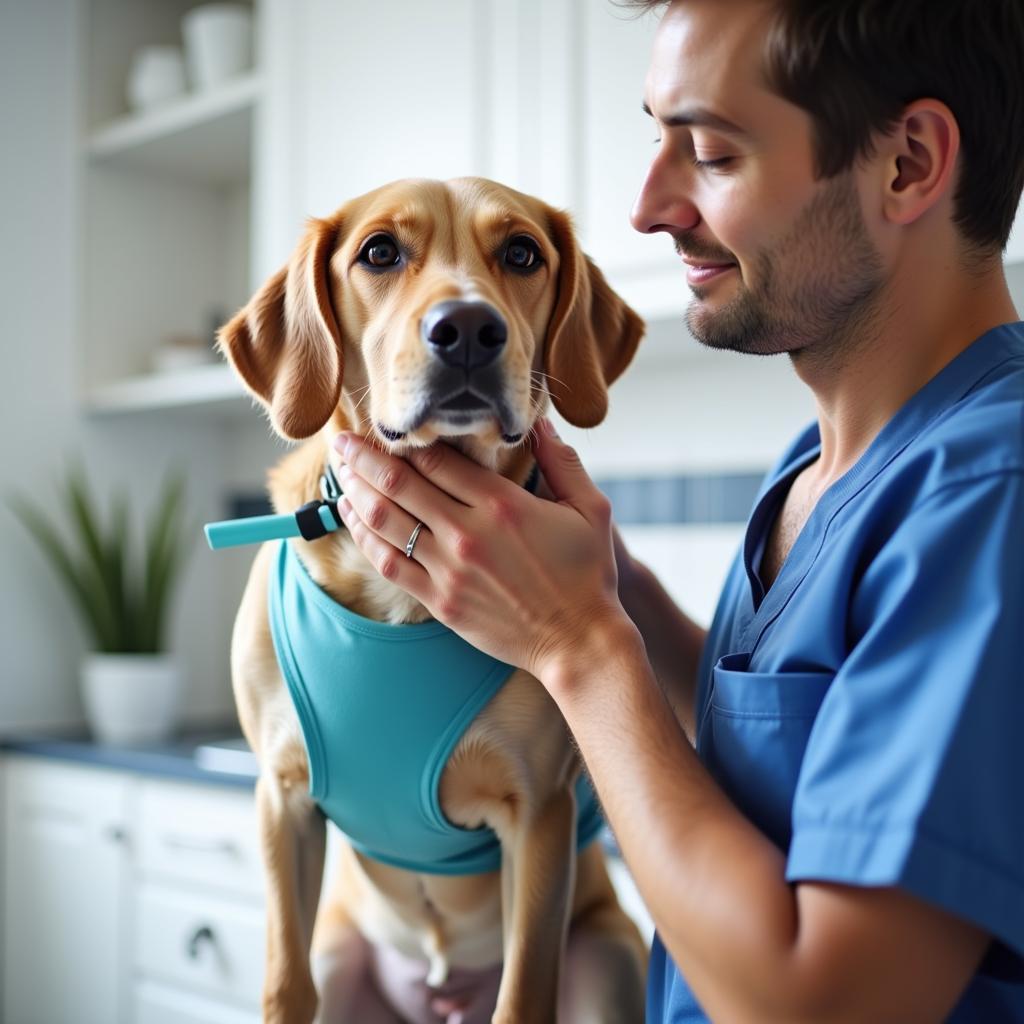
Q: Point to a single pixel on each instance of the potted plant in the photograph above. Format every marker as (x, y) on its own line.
(131, 686)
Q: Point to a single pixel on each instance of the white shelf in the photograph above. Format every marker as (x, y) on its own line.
(203, 138)
(212, 387)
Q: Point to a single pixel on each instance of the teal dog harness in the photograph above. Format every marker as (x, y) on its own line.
(382, 707)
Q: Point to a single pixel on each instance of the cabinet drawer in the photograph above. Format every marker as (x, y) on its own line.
(205, 944)
(200, 834)
(159, 1004)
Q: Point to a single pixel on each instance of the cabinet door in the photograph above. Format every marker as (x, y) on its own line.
(618, 140)
(387, 91)
(65, 881)
(158, 1004)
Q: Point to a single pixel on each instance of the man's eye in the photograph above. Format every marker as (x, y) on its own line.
(379, 252)
(720, 162)
(522, 253)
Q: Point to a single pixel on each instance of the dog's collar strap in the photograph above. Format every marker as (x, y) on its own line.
(312, 521)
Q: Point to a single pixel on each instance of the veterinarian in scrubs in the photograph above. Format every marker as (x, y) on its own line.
(845, 841)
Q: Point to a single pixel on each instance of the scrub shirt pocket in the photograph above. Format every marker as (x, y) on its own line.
(754, 736)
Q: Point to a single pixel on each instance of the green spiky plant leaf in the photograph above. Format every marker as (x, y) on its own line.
(123, 602)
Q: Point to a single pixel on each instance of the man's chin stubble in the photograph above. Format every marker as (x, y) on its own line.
(739, 327)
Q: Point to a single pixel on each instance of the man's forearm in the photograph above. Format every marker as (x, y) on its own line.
(674, 642)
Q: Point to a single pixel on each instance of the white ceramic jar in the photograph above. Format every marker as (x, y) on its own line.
(157, 74)
(218, 43)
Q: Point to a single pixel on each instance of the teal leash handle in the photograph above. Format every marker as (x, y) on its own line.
(315, 519)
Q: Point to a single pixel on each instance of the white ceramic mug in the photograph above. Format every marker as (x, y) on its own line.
(157, 75)
(218, 43)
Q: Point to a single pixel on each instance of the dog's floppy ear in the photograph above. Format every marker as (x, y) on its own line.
(285, 343)
(592, 335)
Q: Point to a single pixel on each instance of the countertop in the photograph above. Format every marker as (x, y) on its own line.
(220, 758)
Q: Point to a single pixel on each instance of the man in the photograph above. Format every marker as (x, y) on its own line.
(847, 841)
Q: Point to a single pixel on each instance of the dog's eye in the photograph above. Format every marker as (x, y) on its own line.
(522, 253)
(380, 251)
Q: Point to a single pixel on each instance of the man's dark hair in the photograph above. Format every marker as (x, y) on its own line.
(854, 66)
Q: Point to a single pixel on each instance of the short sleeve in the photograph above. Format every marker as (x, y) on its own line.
(914, 768)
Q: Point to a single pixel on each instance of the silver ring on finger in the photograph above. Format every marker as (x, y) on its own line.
(411, 542)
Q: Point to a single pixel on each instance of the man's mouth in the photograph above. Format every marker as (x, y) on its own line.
(702, 271)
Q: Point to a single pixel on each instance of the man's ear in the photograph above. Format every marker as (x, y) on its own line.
(592, 335)
(285, 343)
(922, 150)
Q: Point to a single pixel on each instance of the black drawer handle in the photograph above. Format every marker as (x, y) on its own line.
(204, 933)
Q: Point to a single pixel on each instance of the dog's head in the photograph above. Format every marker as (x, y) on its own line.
(430, 309)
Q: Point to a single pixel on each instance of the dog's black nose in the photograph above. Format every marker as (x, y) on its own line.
(464, 334)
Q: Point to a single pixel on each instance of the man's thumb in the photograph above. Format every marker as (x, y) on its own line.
(561, 465)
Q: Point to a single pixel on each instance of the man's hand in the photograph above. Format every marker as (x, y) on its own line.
(530, 581)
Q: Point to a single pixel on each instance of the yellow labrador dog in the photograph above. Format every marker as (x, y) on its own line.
(420, 311)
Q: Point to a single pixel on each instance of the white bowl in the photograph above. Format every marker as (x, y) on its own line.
(170, 358)
(218, 43)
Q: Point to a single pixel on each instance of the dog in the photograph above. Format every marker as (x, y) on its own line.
(426, 310)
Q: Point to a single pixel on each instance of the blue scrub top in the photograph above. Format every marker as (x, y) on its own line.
(865, 711)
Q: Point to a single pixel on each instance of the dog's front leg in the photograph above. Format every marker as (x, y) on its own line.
(294, 838)
(538, 865)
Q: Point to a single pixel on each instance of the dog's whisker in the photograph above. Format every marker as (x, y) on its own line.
(365, 393)
(549, 376)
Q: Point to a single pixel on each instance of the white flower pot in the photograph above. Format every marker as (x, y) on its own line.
(218, 43)
(131, 698)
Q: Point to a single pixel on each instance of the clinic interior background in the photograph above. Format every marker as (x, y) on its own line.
(690, 431)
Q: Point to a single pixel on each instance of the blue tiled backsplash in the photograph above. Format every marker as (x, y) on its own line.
(684, 500)
(688, 499)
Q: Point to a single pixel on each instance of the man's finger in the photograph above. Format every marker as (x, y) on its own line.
(391, 563)
(457, 475)
(397, 480)
(383, 517)
(562, 468)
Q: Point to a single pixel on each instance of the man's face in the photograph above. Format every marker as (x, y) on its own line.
(776, 261)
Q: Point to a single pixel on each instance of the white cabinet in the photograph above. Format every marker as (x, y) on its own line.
(188, 207)
(198, 901)
(154, 1003)
(128, 899)
(67, 847)
(387, 92)
(545, 97)
(617, 139)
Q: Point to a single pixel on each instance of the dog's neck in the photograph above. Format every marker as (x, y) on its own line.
(334, 561)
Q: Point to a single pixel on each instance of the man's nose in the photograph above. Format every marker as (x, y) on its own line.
(663, 202)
